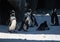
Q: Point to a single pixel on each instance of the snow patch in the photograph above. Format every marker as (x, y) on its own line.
(30, 36)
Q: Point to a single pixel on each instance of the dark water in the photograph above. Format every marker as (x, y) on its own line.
(19, 40)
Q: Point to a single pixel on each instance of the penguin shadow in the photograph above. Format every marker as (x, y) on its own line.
(54, 24)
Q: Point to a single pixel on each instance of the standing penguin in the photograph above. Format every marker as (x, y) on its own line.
(54, 18)
(12, 24)
(28, 18)
(31, 18)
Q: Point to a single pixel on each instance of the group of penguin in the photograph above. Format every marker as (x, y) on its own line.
(30, 21)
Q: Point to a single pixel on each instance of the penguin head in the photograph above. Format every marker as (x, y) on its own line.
(12, 13)
(29, 12)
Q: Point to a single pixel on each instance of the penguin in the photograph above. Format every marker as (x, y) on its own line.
(31, 18)
(54, 18)
(13, 22)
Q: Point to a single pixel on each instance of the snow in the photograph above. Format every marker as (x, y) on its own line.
(32, 35)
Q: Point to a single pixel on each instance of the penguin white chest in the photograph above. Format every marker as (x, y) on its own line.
(13, 24)
(29, 20)
(25, 27)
